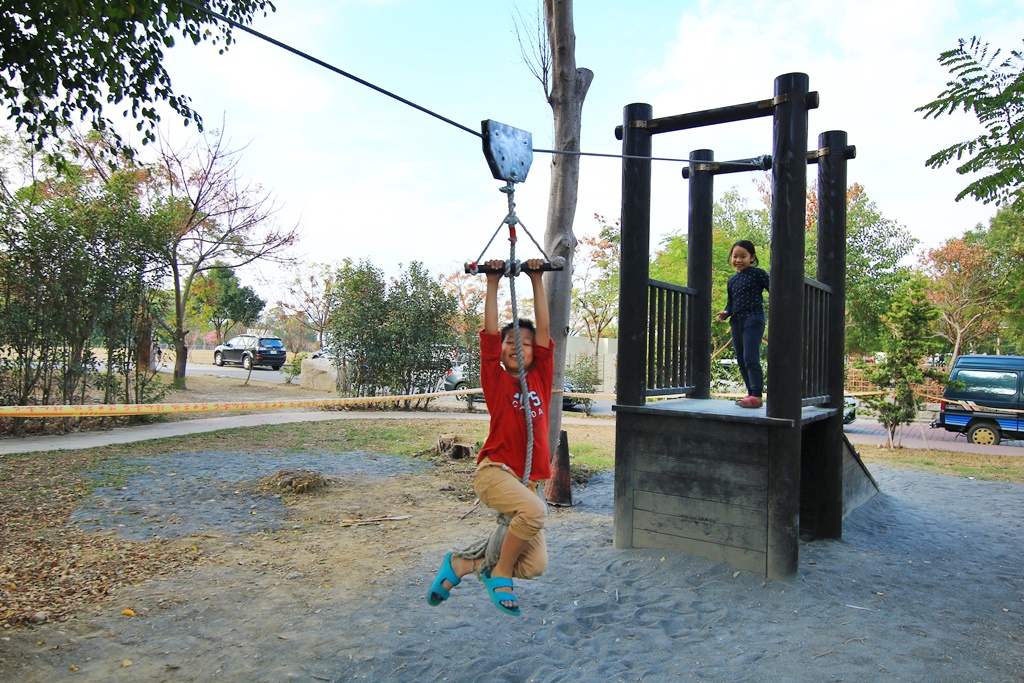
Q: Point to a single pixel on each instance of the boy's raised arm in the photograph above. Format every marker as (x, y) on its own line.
(540, 305)
(491, 300)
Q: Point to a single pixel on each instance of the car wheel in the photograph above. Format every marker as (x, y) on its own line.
(275, 367)
(460, 387)
(984, 433)
(218, 359)
(247, 362)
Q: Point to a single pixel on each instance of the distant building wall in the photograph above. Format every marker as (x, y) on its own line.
(607, 358)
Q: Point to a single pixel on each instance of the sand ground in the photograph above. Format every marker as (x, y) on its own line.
(926, 585)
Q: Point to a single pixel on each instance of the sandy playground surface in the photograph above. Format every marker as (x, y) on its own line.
(927, 585)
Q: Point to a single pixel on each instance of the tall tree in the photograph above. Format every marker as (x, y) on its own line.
(220, 300)
(64, 60)
(963, 288)
(990, 86)
(216, 221)
(565, 87)
(875, 249)
(908, 341)
(468, 292)
(1004, 239)
(395, 336)
(78, 255)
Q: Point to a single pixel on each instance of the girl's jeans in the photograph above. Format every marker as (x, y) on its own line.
(747, 332)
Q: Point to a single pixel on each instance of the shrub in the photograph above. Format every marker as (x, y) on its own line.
(293, 368)
(584, 376)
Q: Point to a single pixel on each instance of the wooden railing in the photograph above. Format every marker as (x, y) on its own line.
(669, 338)
(817, 298)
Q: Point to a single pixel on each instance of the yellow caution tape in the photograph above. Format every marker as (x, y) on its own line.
(112, 409)
(115, 409)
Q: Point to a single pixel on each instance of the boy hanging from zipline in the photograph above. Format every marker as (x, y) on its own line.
(520, 551)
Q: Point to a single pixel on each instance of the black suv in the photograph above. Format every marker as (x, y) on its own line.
(250, 351)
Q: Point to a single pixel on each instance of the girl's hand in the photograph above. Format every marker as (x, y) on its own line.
(722, 315)
(535, 264)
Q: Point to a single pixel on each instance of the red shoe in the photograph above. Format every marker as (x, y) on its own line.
(750, 402)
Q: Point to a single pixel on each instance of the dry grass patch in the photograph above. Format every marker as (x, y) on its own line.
(1009, 468)
(49, 568)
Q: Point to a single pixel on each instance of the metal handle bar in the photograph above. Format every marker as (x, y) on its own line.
(558, 263)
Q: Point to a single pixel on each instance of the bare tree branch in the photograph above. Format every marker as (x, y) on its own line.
(537, 51)
(213, 220)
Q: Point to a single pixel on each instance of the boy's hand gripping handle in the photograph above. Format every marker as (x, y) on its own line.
(557, 263)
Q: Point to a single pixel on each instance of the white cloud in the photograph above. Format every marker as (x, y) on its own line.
(368, 177)
(872, 63)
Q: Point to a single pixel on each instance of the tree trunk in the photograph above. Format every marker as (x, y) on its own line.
(569, 87)
(177, 329)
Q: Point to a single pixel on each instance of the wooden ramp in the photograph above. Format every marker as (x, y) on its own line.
(858, 484)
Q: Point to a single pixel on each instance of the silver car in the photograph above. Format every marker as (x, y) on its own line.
(455, 380)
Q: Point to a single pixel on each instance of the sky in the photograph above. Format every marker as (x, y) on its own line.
(365, 177)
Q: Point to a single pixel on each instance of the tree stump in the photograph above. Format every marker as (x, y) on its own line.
(293, 481)
(453, 447)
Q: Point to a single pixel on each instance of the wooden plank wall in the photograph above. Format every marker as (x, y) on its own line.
(699, 486)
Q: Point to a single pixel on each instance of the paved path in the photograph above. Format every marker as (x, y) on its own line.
(869, 432)
(860, 432)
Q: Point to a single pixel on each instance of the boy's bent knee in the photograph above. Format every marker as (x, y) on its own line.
(531, 568)
(526, 526)
(534, 559)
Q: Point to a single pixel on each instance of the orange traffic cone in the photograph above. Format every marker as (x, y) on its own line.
(559, 487)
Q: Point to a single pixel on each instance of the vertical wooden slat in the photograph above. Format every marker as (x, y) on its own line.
(652, 335)
(672, 378)
(661, 338)
(680, 349)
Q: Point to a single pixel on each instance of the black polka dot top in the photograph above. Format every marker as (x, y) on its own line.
(745, 290)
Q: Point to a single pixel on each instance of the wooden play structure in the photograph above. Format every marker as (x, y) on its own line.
(705, 476)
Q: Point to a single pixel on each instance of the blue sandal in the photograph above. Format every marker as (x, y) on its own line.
(494, 582)
(438, 593)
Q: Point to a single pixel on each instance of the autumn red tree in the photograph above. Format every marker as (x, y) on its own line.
(214, 219)
(469, 291)
(963, 289)
(595, 294)
(308, 299)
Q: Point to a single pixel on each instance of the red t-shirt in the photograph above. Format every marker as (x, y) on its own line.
(506, 440)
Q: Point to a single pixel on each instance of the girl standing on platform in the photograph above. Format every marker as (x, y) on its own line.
(745, 307)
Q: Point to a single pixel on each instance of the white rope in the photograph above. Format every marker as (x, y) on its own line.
(524, 390)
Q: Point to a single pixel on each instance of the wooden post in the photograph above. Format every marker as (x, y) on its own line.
(633, 275)
(635, 256)
(831, 271)
(699, 267)
(785, 320)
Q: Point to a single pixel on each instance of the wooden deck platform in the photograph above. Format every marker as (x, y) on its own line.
(716, 409)
(697, 476)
